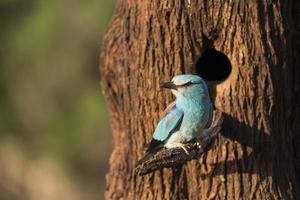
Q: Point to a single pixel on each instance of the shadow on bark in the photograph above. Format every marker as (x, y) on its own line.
(259, 158)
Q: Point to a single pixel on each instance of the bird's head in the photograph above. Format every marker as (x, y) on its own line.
(186, 85)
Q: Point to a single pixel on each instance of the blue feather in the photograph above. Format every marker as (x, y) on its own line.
(170, 123)
(187, 119)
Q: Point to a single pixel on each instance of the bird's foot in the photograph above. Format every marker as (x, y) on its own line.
(199, 142)
(183, 147)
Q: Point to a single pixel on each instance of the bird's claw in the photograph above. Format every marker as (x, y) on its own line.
(186, 151)
(183, 147)
(199, 145)
(199, 142)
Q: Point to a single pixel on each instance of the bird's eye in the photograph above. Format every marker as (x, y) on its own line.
(188, 84)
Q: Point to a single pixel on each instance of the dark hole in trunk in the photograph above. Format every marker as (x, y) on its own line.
(213, 65)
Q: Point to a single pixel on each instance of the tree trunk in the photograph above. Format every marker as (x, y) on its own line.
(254, 156)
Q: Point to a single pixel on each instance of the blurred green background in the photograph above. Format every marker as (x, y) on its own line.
(54, 130)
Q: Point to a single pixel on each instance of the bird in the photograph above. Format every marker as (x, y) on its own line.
(186, 118)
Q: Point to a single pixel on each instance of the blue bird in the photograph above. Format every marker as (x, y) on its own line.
(184, 119)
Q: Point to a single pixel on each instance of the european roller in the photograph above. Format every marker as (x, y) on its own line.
(186, 118)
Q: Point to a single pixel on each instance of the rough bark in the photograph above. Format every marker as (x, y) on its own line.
(295, 83)
(254, 156)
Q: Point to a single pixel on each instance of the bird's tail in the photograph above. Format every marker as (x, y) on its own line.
(153, 147)
(146, 157)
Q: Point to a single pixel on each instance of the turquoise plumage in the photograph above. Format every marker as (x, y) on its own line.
(185, 119)
(168, 124)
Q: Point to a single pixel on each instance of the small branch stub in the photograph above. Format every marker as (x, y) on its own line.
(176, 156)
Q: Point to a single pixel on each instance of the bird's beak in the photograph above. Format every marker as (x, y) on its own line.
(169, 85)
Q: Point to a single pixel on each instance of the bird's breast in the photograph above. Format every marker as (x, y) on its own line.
(195, 120)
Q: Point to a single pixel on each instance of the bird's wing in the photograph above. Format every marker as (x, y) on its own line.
(170, 122)
(169, 107)
(167, 125)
